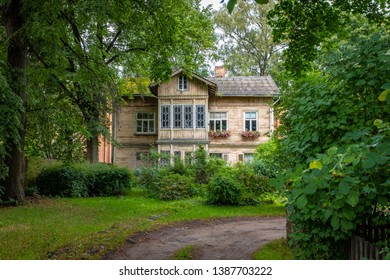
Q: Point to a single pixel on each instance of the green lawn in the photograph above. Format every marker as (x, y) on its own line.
(275, 250)
(86, 228)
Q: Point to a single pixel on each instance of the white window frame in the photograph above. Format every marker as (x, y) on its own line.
(214, 120)
(188, 116)
(249, 157)
(149, 122)
(200, 122)
(182, 83)
(177, 116)
(251, 121)
(165, 117)
(182, 116)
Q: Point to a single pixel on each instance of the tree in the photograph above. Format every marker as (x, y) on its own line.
(247, 45)
(14, 96)
(78, 51)
(306, 25)
(83, 48)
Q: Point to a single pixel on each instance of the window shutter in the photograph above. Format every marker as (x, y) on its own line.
(241, 157)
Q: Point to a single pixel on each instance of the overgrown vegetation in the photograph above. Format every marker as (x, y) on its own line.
(210, 178)
(336, 134)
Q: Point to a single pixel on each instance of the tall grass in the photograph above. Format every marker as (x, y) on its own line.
(87, 228)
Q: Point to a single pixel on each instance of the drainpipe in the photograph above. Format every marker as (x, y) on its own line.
(272, 118)
(114, 133)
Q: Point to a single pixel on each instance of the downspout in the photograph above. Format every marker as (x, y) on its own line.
(272, 118)
(114, 133)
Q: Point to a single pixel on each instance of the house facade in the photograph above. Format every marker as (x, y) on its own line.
(229, 116)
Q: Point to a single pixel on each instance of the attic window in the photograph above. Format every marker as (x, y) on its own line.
(183, 83)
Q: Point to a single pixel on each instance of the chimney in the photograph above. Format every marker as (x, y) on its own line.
(219, 71)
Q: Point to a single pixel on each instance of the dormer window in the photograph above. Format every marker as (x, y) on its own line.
(183, 83)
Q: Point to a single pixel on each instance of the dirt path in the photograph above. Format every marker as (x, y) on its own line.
(222, 239)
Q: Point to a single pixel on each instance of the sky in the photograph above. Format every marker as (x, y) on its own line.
(216, 3)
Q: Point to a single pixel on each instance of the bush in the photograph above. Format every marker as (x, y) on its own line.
(149, 178)
(264, 168)
(176, 186)
(224, 190)
(105, 180)
(63, 181)
(84, 180)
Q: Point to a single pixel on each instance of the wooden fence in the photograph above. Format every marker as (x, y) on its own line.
(361, 249)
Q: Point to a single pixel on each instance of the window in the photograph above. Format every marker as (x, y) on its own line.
(165, 158)
(215, 155)
(182, 116)
(177, 154)
(177, 116)
(218, 121)
(248, 158)
(187, 116)
(183, 83)
(145, 122)
(165, 116)
(250, 121)
(200, 116)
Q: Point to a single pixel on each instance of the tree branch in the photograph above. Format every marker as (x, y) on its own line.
(112, 43)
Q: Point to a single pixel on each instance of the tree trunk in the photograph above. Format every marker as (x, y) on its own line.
(93, 149)
(13, 22)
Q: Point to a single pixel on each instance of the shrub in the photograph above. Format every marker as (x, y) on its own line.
(63, 181)
(176, 186)
(105, 179)
(84, 180)
(224, 190)
(149, 178)
(264, 168)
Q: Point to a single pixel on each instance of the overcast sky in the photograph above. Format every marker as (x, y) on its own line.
(216, 3)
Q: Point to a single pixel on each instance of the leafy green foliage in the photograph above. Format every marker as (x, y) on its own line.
(246, 45)
(328, 204)
(224, 190)
(149, 178)
(335, 132)
(83, 180)
(269, 158)
(306, 25)
(176, 186)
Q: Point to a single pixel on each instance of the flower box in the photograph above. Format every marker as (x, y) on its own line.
(250, 134)
(219, 134)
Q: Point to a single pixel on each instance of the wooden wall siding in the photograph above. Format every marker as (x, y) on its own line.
(127, 156)
(183, 134)
(170, 88)
(126, 128)
(232, 152)
(236, 108)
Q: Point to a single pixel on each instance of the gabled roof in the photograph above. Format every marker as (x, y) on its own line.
(206, 81)
(212, 87)
(245, 86)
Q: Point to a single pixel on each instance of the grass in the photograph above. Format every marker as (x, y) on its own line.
(275, 250)
(184, 253)
(87, 228)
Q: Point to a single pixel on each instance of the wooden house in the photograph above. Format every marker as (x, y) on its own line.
(229, 116)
